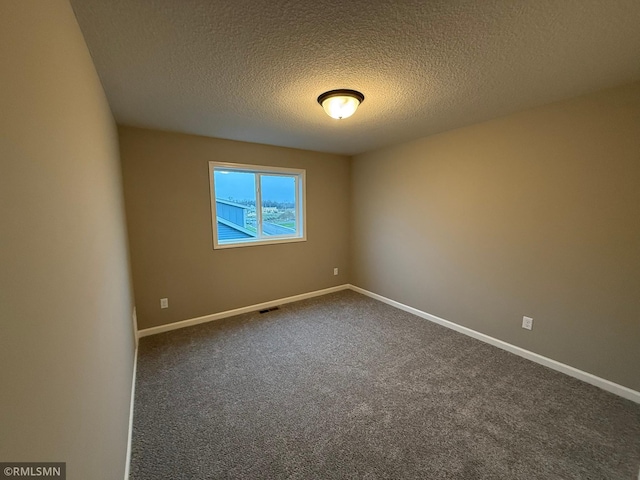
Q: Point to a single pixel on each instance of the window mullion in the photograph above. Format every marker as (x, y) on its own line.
(296, 184)
(259, 204)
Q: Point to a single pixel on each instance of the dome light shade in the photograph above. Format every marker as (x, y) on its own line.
(340, 104)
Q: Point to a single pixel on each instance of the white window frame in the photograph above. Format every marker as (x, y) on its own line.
(259, 170)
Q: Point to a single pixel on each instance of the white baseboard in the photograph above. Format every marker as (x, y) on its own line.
(133, 396)
(607, 385)
(238, 311)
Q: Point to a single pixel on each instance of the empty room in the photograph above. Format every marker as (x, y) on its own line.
(320, 240)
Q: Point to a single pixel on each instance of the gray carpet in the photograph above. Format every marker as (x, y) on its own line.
(343, 386)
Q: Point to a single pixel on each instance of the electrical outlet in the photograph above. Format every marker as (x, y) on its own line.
(164, 303)
(335, 271)
(527, 322)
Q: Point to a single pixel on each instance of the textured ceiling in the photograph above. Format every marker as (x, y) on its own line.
(252, 69)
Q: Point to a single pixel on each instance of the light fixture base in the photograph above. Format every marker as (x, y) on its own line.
(341, 92)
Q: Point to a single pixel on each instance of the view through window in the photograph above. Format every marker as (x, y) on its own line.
(254, 204)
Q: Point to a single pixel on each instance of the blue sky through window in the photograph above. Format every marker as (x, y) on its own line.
(238, 186)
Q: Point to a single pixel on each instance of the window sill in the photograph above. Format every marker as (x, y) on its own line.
(255, 243)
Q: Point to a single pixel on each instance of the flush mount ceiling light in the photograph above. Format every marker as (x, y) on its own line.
(340, 104)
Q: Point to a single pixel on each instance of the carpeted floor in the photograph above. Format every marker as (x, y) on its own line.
(343, 386)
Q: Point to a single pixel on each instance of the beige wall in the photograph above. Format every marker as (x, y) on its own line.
(534, 214)
(66, 338)
(169, 217)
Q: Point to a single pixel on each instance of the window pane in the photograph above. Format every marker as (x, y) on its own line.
(278, 205)
(235, 205)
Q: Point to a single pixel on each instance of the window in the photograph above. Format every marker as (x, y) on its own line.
(252, 205)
